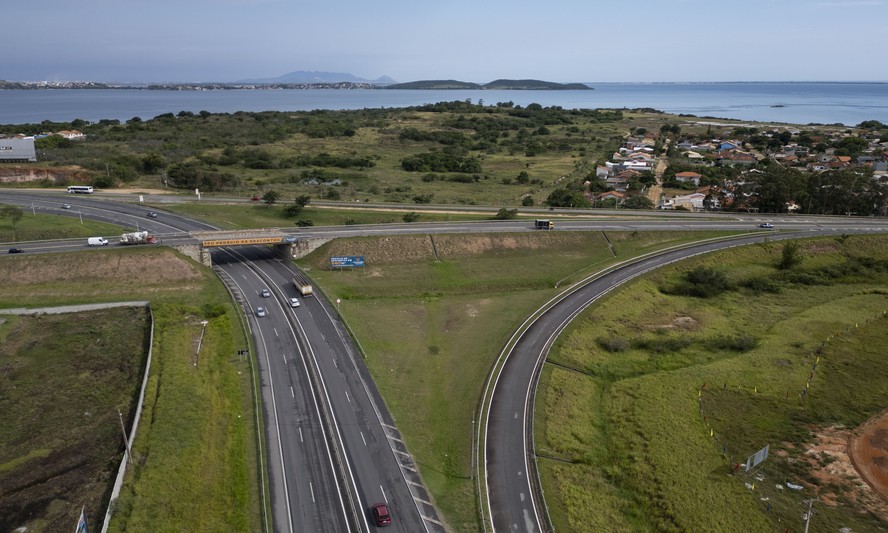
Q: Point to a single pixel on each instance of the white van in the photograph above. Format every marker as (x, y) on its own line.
(97, 241)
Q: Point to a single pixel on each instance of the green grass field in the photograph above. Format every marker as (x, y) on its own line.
(264, 216)
(39, 227)
(653, 395)
(432, 330)
(63, 380)
(196, 466)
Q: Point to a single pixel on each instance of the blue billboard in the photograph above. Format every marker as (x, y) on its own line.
(347, 261)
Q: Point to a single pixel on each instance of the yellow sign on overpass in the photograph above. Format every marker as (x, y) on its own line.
(243, 240)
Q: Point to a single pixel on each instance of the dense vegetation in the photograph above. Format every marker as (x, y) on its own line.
(658, 392)
(371, 154)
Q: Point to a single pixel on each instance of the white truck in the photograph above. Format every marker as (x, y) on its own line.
(137, 237)
(302, 284)
(97, 241)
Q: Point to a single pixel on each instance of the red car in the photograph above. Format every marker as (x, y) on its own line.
(381, 514)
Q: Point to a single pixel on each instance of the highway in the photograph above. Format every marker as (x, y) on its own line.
(513, 496)
(355, 441)
(332, 449)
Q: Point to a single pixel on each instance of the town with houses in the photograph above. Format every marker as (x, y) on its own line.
(722, 174)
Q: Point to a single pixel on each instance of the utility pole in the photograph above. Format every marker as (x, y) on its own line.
(808, 514)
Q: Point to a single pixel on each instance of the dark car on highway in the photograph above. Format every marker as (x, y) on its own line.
(16, 251)
(381, 514)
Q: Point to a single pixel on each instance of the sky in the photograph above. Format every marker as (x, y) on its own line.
(467, 40)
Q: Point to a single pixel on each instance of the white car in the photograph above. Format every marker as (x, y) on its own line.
(766, 225)
(265, 293)
(294, 302)
(260, 311)
(66, 206)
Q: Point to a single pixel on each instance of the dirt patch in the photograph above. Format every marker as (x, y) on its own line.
(835, 468)
(383, 250)
(405, 249)
(164, 267)
(679, 323)
(56, 175)
(869, 453)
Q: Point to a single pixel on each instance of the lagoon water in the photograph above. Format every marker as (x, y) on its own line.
(788, 102)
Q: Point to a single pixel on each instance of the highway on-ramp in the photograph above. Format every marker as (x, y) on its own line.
(513, 495)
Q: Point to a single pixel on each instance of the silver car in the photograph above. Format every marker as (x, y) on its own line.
(260, 311)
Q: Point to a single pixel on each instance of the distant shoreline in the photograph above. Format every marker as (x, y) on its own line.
(500, 85)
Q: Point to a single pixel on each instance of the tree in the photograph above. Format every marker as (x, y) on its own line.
(527, 201)
(790, 257)
(152, 162)
(638, 202)
(566, 198)
(271, 197)
(506, 214)
(523, 177)
(410, 217)
(13, 213)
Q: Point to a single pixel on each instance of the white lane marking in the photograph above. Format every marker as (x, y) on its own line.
(276, 332)
(522, 496)
(347, 398)
(284, 357)
(292, 393)
(383, 494)
(311, 488)
(244, 276)
(516, 415)
(528, 521)
(363, 439)
(334, 363)
(300, 435)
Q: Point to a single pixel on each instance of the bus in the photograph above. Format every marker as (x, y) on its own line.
(80, 189)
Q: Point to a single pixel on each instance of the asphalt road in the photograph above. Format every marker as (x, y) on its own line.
(365, 446)
(332, 448)
(513, 493)
(362, 443)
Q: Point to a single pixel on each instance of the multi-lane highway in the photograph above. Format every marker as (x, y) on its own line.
(332, 448)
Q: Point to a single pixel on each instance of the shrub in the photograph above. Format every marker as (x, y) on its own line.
(614, 344)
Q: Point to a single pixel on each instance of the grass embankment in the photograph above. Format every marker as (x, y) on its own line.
(41, 227)
(195, 456)
(433, 329)
(63, 380)
(264, 216)
(654, 393)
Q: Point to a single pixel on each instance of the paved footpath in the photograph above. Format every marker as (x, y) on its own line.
(68, 308)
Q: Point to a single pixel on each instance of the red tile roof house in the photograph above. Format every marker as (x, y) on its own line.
(618, 197)
(688, 176)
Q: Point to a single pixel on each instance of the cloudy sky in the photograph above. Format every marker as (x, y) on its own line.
(556, 40)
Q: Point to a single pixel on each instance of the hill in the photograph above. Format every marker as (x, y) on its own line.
(306, 76)
(435, 84)
(537, 85)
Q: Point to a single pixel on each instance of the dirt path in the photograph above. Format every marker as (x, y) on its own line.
(868, 449)
(656, 191)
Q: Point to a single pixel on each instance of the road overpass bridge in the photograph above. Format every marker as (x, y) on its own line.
(288, 245)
